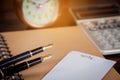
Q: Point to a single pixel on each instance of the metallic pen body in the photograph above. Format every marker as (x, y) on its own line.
(23, 56)
(22, 66)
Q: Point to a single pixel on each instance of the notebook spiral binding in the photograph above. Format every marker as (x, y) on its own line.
(4, 54)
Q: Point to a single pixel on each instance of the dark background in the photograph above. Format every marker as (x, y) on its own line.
(10, 22)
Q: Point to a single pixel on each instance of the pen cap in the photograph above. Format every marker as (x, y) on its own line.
(14, 69)
(15, 59)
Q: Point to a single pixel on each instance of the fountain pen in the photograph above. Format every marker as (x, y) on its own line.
(23, 56)
(22, 66)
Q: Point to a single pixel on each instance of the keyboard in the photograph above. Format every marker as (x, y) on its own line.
(101, 24)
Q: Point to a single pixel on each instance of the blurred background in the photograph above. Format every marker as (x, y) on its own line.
(10, 22)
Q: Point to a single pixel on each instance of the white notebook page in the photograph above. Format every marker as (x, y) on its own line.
(80, 66)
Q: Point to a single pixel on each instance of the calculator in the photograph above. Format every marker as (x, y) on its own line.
(101, 24)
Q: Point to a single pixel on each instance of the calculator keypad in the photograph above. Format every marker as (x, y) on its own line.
(105, 33)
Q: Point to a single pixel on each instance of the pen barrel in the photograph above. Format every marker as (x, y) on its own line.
(37, 50)
(14, 69)
(34, 62)
(20, 67)
(14, 59)
(20, 57)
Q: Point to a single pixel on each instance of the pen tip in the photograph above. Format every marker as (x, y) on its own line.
(48, 46)
(46, 57)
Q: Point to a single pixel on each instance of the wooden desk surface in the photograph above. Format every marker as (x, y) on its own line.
(65, 39)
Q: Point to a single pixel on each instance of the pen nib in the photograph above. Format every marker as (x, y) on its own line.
(46, 57)
(47, 46)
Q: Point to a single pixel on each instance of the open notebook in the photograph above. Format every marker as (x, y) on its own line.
(64, 39)
(5, 53)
